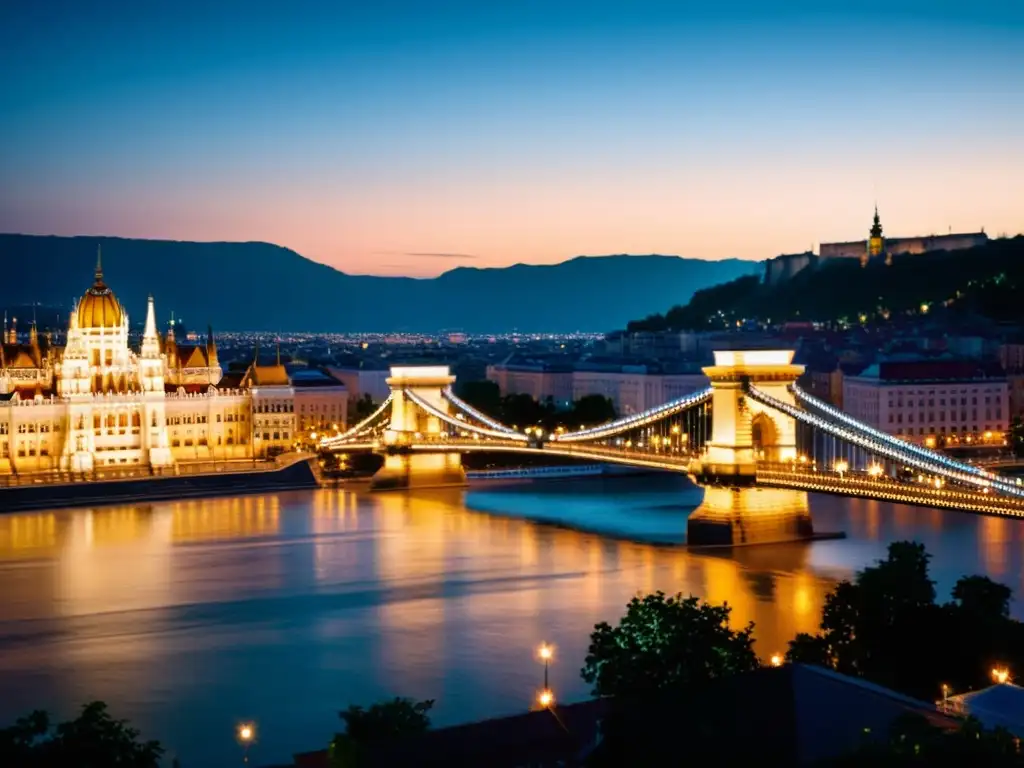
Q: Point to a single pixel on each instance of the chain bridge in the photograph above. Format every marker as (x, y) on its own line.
(753, 426)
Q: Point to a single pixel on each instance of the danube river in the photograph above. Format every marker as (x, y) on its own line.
(189, 617)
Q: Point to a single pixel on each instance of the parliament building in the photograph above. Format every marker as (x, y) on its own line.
(96, 403)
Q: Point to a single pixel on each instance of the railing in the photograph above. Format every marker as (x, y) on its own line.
(933, 464)
(909, 449)
(889, 489)
(636, 421)
(568, 470)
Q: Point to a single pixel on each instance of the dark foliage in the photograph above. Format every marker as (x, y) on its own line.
(524, 411)
(885, 626)
(665, 643)
(364, 407)
(913, 741)
(382, 723)
(984, 281)
(92, 740)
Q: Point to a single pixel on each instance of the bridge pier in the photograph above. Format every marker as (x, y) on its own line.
(409, 471)
(736, 516)
(404, 469)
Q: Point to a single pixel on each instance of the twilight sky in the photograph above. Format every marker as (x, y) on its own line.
(411, 137)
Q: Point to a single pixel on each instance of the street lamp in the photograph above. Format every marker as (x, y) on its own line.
(246, 733)
(546, 653)
(776, 660)
(546, 698)
(841, 467)
(1001, 674)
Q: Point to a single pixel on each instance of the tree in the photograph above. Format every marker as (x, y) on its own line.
(1017, 436)
(592, 410)
(381, 723)
(666, 643)
(92, 740)
(884, 626)
(913, 741)
(364, 407)
(485, 396)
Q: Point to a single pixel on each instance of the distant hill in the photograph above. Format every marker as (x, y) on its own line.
(986, 281)
(264, 287)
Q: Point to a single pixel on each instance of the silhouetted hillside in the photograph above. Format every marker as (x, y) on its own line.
(987, 281)
(259, 286)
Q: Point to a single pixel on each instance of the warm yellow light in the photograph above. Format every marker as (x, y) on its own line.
(546, 698)
(246, 732)
(546, 652)
(1001, 674)
(875, 470)
(988, 435)
(930, 442)
(312, 435)
(841, 466)
(776, 660)
(924, 309)
(675, 430)
(803, 459)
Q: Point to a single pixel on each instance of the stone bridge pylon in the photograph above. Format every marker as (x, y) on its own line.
(403, 468)
(743, 431)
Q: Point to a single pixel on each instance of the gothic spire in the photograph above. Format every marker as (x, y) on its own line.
(211, 348)
(876, 226)
(99, 265)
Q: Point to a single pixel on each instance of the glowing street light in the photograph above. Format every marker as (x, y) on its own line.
(841, 467)
(1001, 674)
(546, 653)
(246, 733)
(776, 660)
(546, 698)
(875, 470)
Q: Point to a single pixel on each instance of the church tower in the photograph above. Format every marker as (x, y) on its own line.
(876, 242)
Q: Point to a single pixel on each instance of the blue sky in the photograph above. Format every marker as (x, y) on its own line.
(361, 134)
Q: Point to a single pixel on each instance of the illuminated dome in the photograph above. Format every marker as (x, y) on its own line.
(98, 307)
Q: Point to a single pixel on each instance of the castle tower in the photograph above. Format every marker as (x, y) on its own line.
(876, 242)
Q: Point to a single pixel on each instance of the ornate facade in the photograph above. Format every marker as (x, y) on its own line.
(96, 403)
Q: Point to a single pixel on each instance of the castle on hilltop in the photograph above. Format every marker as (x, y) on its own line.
(875, 247)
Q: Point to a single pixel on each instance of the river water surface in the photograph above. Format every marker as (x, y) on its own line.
(188, 617)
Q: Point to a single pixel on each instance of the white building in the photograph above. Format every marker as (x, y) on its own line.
(931, 401)
(97, 403)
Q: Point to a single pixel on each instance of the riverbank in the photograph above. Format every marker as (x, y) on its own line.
(295, 475)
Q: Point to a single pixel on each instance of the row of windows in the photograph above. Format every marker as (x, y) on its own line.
(283, 407)
(276, 435)
(942, 401)
(942, 416)
(942, 430)
(323, 407)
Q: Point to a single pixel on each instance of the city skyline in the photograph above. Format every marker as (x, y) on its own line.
(388, 141)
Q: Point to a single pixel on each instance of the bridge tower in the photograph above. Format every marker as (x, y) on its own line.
(410, 424)
(743, 431)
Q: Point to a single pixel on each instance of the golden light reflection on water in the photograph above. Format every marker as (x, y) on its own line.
(527, 571)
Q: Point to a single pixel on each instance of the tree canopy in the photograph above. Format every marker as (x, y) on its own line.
(913, 741)
(985, 281)
(886, 626)
(666, 643)
(380, 723)
(523, 410)
(94, 739)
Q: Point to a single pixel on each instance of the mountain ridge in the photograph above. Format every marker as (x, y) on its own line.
(261, 286)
